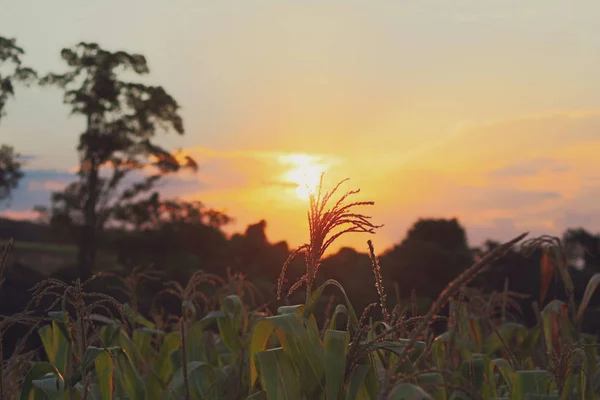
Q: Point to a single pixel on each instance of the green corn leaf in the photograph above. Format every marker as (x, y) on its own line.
(340, 309)
(56, 344)
(230, 334)
(310, 308)
(92, 352)
(591, 350)
(374, 332)
(293, 332)
(110, 333)
(528, 347)
(479, 372)
(142, 339)
(202, 380)
(295, 309)
(369, 390)
(47, 338)
(213, 347)
(441, 348)
(137, 318)
(164, 365)
(278, 375)
(104, 373)
(475, 333)
(356, 381)
(176, 359)
(189, 305)
(304, 352)
(127, 344)
(128, 382)
(53, 387)
(93, 391)
(260, 336)
(433, 383)
(313, 332)
(510, 332)
(417, 350)
(101, 318)
(230, 324)
(233, 306)
(212, 316)
(336, 351)
(43, 378)
(257, 396)
(162, 370)
(506, 371)
(530, 382)
(577, 376)
(408, 391)
(300, 341)
(460, 395)
(195, 343)
(62, 318)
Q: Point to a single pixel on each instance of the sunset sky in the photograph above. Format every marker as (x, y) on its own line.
(488, 111)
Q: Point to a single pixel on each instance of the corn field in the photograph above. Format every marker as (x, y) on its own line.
(225, 347)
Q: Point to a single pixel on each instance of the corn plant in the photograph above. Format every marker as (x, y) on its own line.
(221, 346)
(92, 356)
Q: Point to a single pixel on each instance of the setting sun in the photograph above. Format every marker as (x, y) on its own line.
(307, 179)
(305, 173)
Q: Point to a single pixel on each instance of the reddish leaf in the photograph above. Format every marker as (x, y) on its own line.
(546, 273)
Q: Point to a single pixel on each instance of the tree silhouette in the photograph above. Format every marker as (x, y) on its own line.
(153, 212)
(175, 236)
(122, 118)
(433, 253)
(354, 270)
(14, 71)
(255, 255)
(10, 171)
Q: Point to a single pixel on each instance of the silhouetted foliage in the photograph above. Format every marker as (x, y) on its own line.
(354, 271)
(10, 60)
(121, 120)
(11, 71)
(433, 253)
(153, 212)
(24, 231)
(10, 171)
(178, 236)
(253, 254)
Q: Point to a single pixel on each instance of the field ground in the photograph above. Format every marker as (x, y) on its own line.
(39, 246)
(46, 258)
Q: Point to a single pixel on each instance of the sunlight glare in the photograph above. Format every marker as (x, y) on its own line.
(306, 174)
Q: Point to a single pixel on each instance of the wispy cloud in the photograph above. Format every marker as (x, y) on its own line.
(550, 184)
(529, 167)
